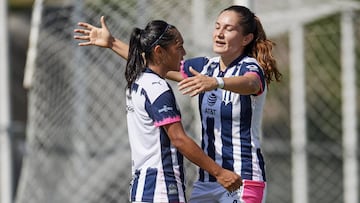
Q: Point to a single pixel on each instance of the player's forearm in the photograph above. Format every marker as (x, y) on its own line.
(174, 76)
(120, 48)
(196, 155)
(187, 147)
(242, 85)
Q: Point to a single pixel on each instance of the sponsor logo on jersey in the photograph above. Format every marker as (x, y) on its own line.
(252, 68)
(212, 99)
(165, 109)
(158, 83)
(210, 111)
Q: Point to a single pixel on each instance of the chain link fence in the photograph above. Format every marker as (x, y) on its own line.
(77, 146)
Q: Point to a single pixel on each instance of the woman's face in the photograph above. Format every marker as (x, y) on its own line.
(228, 40)
(175, 53)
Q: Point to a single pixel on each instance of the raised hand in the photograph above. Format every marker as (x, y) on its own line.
(94, 35)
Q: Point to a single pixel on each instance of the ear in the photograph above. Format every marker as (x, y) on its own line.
(247, 39)
(158, 53)
(157, 49)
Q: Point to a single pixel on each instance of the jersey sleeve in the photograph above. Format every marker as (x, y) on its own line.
(164, 109)
(254, 68)
(197, 63)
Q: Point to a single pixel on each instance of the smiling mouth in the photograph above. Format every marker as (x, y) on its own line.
(219, 43)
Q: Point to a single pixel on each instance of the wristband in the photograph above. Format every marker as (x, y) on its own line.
(220, 82)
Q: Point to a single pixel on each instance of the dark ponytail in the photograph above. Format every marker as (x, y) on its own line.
(142, 42)
(135, 64)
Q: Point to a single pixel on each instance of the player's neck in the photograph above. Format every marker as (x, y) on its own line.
(223, 65)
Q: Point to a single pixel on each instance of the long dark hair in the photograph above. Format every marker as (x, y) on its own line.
(142, 43)
(260, 47)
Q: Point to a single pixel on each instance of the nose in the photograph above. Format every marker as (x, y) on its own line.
(219, 32)
(184, 52)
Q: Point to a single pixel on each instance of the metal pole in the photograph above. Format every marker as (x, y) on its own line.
(200, 28)
(298, 115)
(298, 112)
(5, 141)
(33, 40)
(246, 3)
(200, 42)
(349, 120)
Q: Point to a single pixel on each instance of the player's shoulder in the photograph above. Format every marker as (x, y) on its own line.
(153, 84)
(202, 60)
(250, 63)
(249, 60)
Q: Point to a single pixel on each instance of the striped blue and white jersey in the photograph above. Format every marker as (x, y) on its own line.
(231, 123)
(157, 166)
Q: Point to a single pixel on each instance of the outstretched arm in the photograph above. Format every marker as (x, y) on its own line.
(92, 35)
(102, 37)
(245, 85)
(186, 146)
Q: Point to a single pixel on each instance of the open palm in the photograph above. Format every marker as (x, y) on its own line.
(94, 35)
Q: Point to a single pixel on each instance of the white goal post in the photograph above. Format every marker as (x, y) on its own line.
(5, 144)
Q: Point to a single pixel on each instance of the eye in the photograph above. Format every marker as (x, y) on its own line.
(229, 28)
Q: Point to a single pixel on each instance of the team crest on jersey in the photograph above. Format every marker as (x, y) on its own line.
(172, 189)
(213, 65)
(210, 69)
